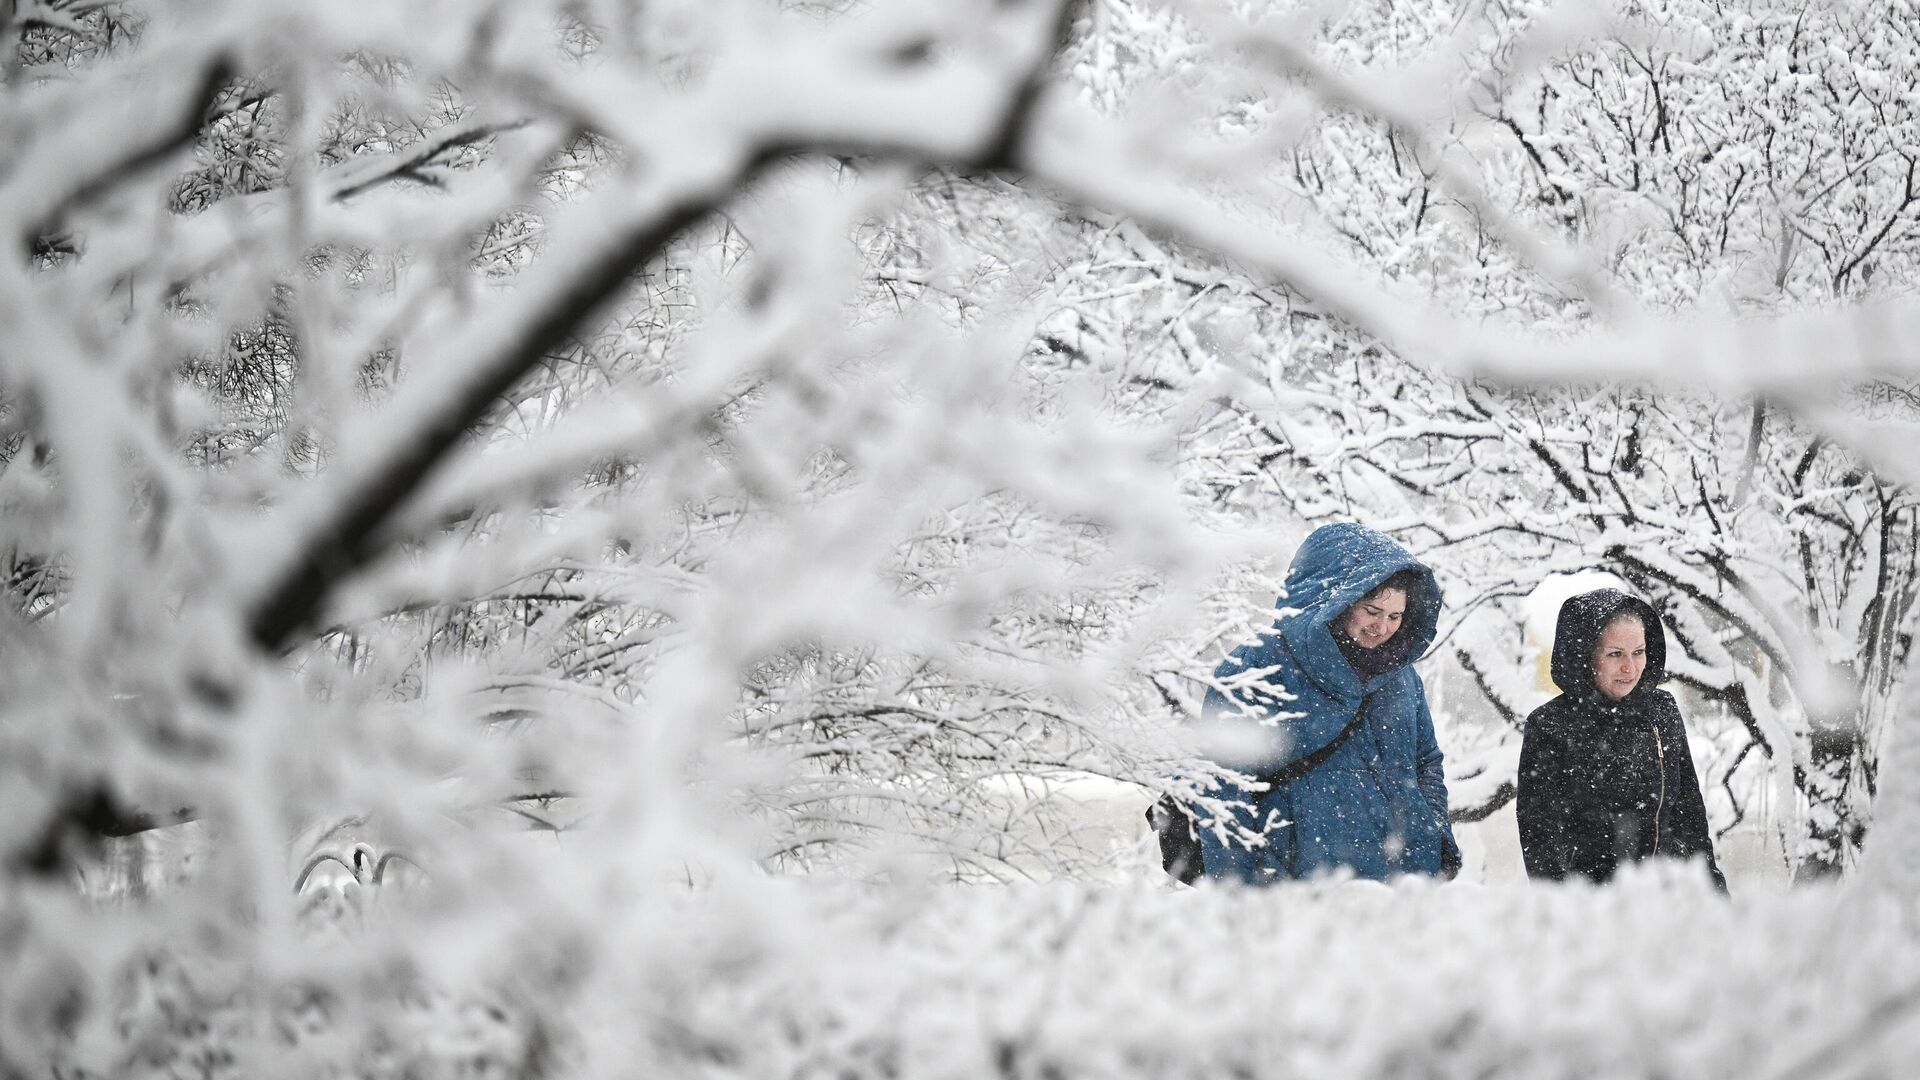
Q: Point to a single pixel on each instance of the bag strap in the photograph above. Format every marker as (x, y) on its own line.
(1286, 774)
(1180, 849)
(1299, 767)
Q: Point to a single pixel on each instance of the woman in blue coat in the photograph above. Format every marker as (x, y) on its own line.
(1358, 610)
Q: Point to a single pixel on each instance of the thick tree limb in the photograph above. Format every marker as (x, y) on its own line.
(184, 122)
(350, 528)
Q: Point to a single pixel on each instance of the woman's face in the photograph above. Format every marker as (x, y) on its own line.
(1620, 658)
(1373, 621)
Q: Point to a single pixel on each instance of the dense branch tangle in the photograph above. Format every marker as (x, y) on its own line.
(753, 111)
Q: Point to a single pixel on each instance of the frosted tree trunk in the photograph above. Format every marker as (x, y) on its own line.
(1891, 858)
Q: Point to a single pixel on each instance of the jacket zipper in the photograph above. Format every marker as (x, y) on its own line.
(1660, 807)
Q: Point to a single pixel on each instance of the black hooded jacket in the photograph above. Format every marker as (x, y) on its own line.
(1604, 782)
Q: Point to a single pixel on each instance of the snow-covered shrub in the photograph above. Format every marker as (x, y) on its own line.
(1654, 976)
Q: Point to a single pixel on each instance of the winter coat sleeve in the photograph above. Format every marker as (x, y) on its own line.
(1692, 834)
(1544, 800)
(1431, 766)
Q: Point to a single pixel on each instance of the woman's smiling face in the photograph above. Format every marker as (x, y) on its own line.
(1374, 620)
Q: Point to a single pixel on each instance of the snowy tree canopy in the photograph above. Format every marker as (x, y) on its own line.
(558, 530)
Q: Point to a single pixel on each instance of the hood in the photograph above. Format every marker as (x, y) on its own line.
(1336, 566)
(1582, 618)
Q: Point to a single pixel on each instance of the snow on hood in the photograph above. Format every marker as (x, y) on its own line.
(1336, 566)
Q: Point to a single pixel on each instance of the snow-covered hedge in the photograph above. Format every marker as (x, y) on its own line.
(1654, 977)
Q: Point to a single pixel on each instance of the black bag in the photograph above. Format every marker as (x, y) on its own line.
(1179, 839)
(1180, 835)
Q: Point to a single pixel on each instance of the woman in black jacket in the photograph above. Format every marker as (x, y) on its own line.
(1605, 775)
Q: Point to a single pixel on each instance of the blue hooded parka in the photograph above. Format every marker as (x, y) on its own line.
(1378, 805)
